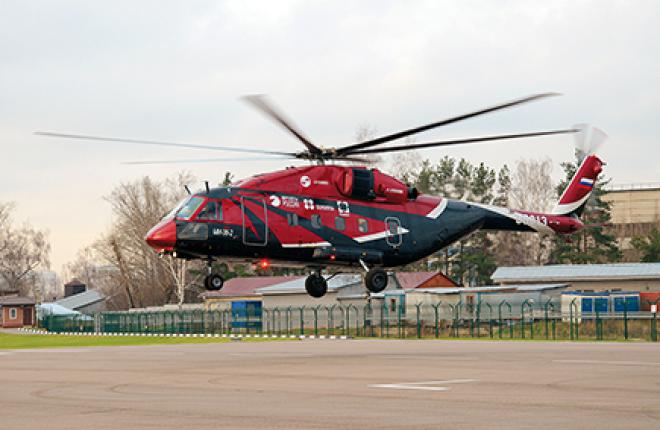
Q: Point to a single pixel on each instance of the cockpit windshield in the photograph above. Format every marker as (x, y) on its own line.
(189, 208)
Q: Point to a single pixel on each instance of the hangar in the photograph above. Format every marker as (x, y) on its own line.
(596, 277)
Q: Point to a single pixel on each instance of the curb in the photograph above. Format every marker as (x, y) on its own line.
(206, 335)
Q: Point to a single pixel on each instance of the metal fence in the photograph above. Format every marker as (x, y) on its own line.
(441, 320)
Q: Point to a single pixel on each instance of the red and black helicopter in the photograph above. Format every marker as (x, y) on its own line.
(330, 217)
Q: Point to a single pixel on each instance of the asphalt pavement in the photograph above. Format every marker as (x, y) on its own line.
(323, 384)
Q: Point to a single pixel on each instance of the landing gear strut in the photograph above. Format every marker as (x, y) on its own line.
(375, 280)
(316, 285)
(212, 281)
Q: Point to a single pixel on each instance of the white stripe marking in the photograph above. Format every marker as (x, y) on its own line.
(425, 385)
(305, 245)
(379, 235)
(613, 363)
(438, 209)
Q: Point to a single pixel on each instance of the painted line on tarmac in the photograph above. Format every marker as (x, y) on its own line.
(610, 362)
(424, 385)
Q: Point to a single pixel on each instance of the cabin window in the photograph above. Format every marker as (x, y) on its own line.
(393, 227)
(292, 219)
(212, 211)
(340, 223)
(13, 313)
(316, 221)
(188, 209)
(363, 225)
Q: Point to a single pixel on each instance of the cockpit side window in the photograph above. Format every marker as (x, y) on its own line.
(212, 211)
(189, 208)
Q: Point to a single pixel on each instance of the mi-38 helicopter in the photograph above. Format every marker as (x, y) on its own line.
(334, 218)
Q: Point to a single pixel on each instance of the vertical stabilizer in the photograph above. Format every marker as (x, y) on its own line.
(575, 196)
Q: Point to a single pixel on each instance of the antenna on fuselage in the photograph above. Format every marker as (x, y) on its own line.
(206, 183)
(187, 189)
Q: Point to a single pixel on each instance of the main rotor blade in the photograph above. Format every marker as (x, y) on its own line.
(352, 148)
(462, 141)
(205, 160)
(153, 142)
(260, 103)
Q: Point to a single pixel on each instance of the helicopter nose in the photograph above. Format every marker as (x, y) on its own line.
(162, 236)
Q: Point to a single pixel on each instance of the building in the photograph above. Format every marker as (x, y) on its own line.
(88, 302)
(74, 287)
(16, 311)
(635, 211)
(241, 289)
(595, 277)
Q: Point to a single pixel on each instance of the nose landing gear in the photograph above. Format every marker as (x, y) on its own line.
(212, 281)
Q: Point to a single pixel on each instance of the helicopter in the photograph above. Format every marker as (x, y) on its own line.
(331, 218)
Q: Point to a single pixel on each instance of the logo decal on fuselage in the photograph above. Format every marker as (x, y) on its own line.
(305, 181)
(343, 208)
(275, 201)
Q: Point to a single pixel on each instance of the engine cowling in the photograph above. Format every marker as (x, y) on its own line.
(372, 184)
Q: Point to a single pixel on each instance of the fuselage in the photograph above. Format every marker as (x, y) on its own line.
(331, 215)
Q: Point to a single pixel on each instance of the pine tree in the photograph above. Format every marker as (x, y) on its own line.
(649, 246)
(592, 244)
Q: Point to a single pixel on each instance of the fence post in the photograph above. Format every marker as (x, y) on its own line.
(367, 315)
(490, 320)
(528, 303)
(315, 309)
(399, 313)
(302, 320)
(478, 321)
(344, 319)
(454, 321)
(331, 319)
(573, 326)
(385, 317)
(347, 319)
(357, 320)
(499, 319)
(419, 325)
(625, 318)
(436, 318)
(654, 325)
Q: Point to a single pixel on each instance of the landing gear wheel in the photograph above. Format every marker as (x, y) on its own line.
(316, 285)
(213, 282)
(376, 280)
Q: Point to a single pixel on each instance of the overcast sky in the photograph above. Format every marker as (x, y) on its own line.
(174, 71)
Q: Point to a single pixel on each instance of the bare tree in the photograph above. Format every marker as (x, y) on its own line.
(143, 277)
(22, 250)
(531, 189)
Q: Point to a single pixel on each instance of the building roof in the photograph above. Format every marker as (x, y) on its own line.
(577, 272)
(81, 300)
(55, 309)
(248, 286)
(74, 282)
(298, 285)
(15, 301)
(412, 280)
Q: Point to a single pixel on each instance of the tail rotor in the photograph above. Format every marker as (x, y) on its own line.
(588, 140)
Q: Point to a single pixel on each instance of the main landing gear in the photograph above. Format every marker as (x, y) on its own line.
(375, 280)
(316, 285)
(212, 281)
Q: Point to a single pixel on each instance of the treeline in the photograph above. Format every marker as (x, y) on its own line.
(472, 260)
